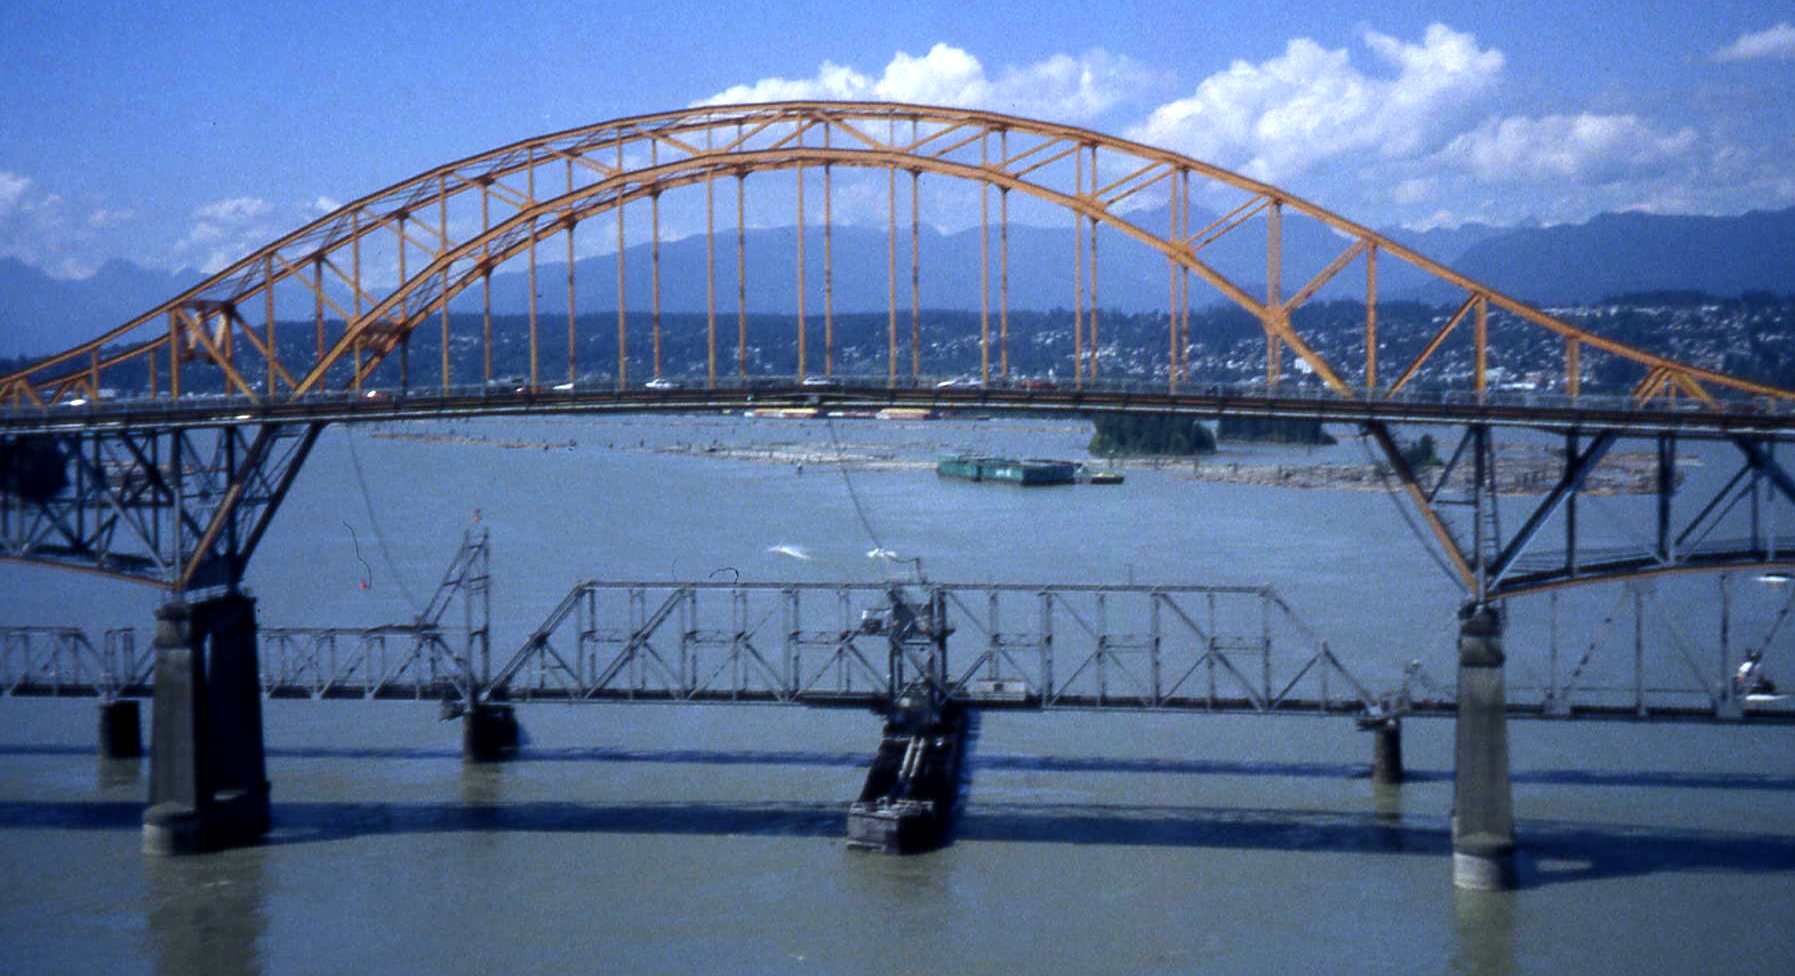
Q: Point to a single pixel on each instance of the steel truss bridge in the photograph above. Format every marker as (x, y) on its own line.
(161, 450)
(1215, 649)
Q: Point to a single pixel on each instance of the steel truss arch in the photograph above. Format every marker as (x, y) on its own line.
(204, 322)
(143, 529)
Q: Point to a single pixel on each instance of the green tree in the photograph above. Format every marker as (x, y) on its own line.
(1162, 434)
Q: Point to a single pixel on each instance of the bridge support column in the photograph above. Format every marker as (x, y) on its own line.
(121, 735)
(488, 733)
(912, 791)
(1483, 832)
(1386, 750)
(208, 775)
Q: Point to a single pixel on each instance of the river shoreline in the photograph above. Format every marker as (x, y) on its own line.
(1519, 470)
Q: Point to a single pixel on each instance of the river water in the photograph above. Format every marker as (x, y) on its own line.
(681, 839)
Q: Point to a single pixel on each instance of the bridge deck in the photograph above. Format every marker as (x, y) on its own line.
(1754, 418)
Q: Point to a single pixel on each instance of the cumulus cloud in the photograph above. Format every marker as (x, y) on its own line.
(225, 230)
(1776, 42)
(1072, 88)
(1585, 148)
(1415, 190)
(233, 211)
(12, 190)
(1310, 105)
(103, 218)
(35, 228)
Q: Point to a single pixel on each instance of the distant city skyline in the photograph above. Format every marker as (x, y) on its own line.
(187, 135)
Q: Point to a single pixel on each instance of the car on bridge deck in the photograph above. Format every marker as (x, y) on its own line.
(818, 381)
(661, 383)
(960, 383)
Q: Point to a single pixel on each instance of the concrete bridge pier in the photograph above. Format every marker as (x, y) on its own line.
(208, 773)
(121, 729)
(1386, 749)
(912, 791)
(1483, 830)
(489, 732)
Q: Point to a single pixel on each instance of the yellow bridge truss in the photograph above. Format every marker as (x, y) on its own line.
(389, 263)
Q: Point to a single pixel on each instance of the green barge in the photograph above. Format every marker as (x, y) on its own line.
(1027, 471)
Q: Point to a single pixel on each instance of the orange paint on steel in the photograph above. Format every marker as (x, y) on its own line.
(572, 343)
(1482, 339)
(622, 315)
(891, 275)
(1003, 282)
(1078, 275)
(530, 176)
(828, 269)
(1433, 344)
(1371, 318)
(710, 278)
(1091, 371)
(485, 285)
(1274, 284)
(800, 185)
(915, 273)
(268, 332)
(442, 240)
(315, 242)
(654, 254)
(741, 272)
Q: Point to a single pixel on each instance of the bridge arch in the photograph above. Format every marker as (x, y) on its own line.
(383, 265)
(608, 166)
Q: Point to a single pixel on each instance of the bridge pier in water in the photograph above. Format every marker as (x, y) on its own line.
(1386, 749)
(208, 774)
(1483, 829)
(909, 800)
(489, 733)
(121, 729)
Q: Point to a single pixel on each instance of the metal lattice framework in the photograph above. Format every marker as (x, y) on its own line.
(1220, 648)
(1237, 650)
(386, 264)
(389, 269)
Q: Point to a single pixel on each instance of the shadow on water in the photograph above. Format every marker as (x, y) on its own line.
(998, 761)
(1552, 852)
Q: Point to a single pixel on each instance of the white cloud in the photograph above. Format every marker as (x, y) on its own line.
(103, 218)
(1776, 42)
(35, 228)
(12, 189)
(1416, 190)
(236, 210)
(1066, 87)
(226, 230)
(1586, 148)
(1285, 116)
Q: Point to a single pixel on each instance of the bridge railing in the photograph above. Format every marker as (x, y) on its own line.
(128, 407)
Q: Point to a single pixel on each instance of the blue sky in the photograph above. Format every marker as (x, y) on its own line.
(186, 134)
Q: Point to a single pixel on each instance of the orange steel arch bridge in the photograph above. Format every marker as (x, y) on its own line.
(160, 450)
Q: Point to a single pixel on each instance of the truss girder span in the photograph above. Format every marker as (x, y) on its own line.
(1235, 649)
(1509, 513)
(182, 507)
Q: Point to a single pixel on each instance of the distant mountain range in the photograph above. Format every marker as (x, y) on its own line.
(1563, 265)
(40, 314)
